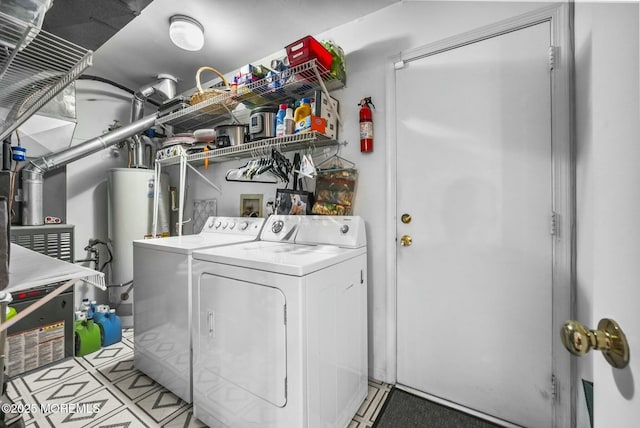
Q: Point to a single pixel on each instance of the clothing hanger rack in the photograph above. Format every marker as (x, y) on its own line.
(278, 166)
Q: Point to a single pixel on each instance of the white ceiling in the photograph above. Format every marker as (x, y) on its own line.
(236, 33)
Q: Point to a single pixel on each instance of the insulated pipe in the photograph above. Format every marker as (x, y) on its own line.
(33, 173)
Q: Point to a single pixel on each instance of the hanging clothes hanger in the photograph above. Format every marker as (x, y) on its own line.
(335, 163)
(248, 172)
(281, 165)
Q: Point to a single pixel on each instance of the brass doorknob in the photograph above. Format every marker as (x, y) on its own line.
(406, 240)
(608, 338)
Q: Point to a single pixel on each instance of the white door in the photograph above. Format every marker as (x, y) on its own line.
(474, 171)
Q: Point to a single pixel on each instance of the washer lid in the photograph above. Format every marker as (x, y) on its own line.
(216, 231)
(188, 243)
(283, 258)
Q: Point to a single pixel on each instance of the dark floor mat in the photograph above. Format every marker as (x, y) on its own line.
(404, 410)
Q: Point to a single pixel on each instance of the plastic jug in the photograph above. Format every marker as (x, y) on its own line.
(87, 335)
(92, 309)
(110, 327)
(302, 116)
(101, 312)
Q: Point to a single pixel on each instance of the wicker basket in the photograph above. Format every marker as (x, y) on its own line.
(224, 96)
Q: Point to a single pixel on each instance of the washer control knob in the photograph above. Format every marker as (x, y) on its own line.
(210, 225)
(243, 225)
(224, 225)
(217, 224)
(232, 225)
(277, 226)
(344, 229)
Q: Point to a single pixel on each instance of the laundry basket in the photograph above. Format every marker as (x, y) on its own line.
(222, 95)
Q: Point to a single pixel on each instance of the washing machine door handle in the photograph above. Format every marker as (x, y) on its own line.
(211, 323)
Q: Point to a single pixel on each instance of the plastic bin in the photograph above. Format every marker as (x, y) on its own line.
(307, 49)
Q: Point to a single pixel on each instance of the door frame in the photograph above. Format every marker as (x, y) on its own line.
(563, 192)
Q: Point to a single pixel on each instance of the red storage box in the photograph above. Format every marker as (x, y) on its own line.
(307, 49)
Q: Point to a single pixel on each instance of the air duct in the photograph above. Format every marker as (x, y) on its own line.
(33, 173)
(165, 87)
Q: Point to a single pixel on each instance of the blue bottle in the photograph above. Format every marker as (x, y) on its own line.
(280, 123)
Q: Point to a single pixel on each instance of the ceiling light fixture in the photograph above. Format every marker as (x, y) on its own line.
(186, 33)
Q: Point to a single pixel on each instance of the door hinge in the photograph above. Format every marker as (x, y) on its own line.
(361, 276)
(554, 387)
(553, 54)
(553, 229)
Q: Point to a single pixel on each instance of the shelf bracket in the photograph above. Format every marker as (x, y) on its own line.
(209, 182)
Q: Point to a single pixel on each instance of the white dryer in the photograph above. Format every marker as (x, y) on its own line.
(280, 326)
(162, 310)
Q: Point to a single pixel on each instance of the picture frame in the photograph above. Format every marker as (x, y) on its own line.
(293, 202)
(251, 205)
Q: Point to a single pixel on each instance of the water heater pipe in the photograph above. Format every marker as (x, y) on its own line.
(33, 173)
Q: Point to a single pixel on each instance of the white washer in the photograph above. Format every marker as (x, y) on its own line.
(162, 310)
(280, 326)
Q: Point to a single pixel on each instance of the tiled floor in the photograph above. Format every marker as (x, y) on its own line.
(103, 389)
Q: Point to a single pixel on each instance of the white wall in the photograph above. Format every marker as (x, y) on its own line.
(98, 105)
(608, 195)
(369, 43)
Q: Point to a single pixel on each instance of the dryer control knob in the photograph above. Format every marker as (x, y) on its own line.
(243, 225)
(224, 225)
(218, 223)
(210, 225)
(344, 229)
(232, 225)
(277, 226)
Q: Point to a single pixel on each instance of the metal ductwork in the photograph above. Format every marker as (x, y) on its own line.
(33, 173)
(165, 87)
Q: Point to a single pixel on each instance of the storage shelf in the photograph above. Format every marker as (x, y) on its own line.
(34, 67)
(256, 148)
(296, 82)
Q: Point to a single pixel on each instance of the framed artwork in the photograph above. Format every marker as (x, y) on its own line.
(251, 205)
(293, 202)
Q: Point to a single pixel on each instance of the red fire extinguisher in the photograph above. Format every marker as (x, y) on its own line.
(366, 125)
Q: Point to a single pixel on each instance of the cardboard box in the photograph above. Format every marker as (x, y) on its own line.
(318, 124)
(322, 108)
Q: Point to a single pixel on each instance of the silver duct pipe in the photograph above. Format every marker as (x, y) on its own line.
(33, 173)
(165, 87)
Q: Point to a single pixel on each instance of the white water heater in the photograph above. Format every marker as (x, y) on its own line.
(131, 199)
